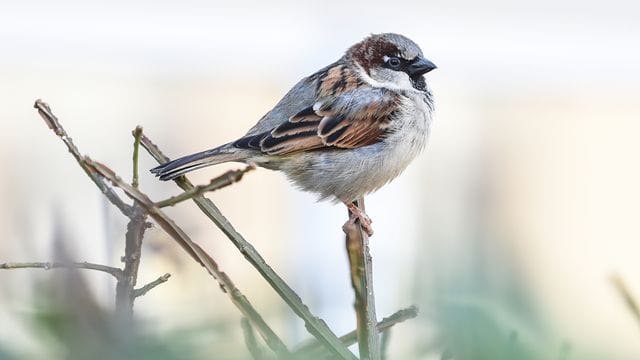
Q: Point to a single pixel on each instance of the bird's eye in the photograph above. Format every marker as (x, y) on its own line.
(394, 62)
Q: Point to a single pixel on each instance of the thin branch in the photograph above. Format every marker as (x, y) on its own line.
(197, 253)
(626, 295)
(125, 289)
(137, 133)
(146, 288)
(226, 179)
(384, 343)
(250, 340)
(312, 349)
(125, 294)
(316, 326)
(357, 243)
(386, 323)
(115, 272)
(54, 124)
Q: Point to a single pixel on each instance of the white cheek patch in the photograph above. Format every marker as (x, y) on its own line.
(403, 83)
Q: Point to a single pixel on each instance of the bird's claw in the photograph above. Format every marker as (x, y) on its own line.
(357, 214)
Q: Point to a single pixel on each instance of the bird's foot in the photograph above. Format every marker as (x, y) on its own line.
(355, 213)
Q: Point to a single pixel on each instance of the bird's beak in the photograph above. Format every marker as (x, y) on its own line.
(420, 66)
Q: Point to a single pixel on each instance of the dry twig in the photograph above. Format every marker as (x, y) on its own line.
(146, 288)
(197, 253)
(54, 124)
(125, 293)
(98, 172)
(115, 272)
(226, 179)
(127, 277)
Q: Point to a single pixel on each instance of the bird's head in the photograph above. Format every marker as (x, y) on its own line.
(390, 60)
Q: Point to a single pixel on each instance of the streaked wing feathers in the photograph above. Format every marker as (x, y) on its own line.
(355, 118)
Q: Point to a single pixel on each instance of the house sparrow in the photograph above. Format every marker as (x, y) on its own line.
(342, 132)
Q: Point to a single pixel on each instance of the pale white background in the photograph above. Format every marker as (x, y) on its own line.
(531, 173)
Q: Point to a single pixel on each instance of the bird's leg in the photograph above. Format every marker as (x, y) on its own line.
(358, 214)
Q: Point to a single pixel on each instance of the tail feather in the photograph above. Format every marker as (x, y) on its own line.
(180, 166)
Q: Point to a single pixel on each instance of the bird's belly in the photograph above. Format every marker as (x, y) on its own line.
(345, 175)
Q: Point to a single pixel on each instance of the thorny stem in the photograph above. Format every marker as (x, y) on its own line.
(115, 272)
(357, 243)
(226, 179)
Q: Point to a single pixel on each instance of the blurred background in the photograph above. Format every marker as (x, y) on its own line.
(505, 232)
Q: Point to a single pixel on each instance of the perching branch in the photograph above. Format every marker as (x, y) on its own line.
(115, 272)
(357, 243)
(226, 179)
(54, 124)
(316, 326)
(313, 349)
(145, 289)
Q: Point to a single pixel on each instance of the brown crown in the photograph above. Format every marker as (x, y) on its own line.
(369, 52)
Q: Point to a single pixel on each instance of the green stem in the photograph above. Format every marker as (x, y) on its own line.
(137, 134)
(314, 350)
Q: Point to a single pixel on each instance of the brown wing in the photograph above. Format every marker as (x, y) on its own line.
(353, 118)
(312, 130)
(294, 135)
(364, 126)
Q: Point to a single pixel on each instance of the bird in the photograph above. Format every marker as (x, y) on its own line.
(342, 132)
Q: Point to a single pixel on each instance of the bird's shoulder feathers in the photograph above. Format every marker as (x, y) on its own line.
(331, 108)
